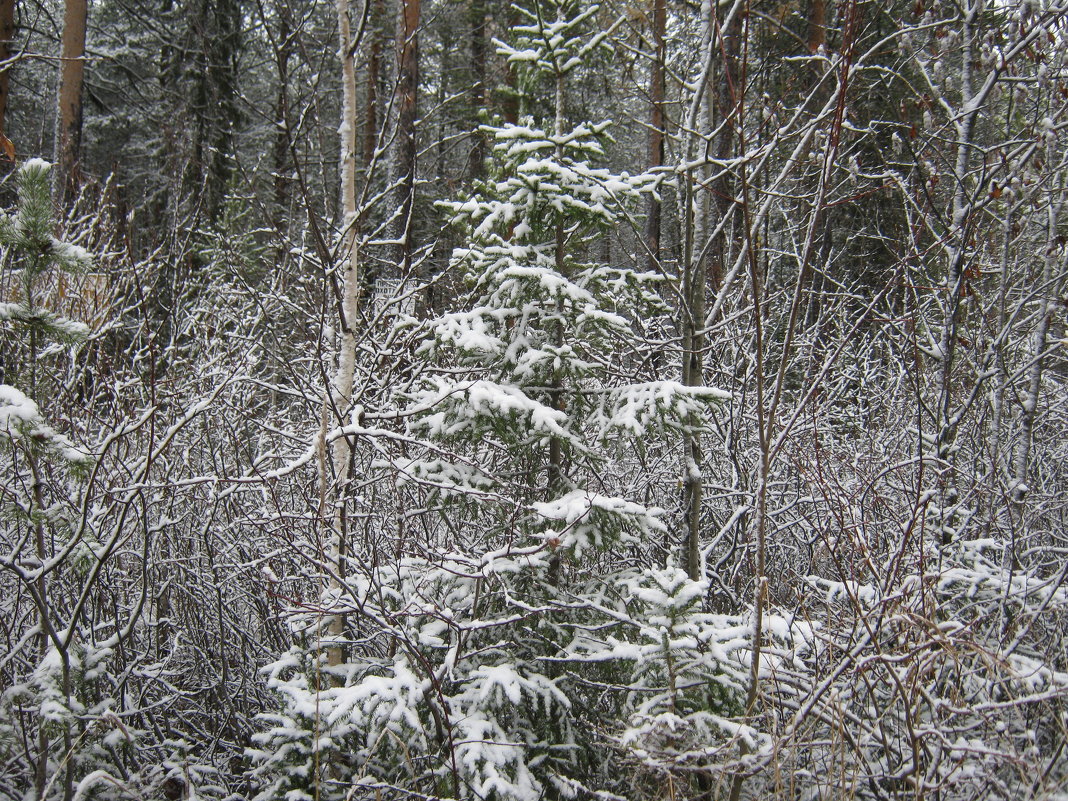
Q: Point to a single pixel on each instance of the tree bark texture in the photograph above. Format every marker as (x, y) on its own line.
(69, 117)
(7, 49)
(407, 98)
(656, 131)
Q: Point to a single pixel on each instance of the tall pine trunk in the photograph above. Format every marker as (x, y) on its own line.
(69, 116)
(7, 40)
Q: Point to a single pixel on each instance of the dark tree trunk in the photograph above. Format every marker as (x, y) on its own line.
(478, 90)
(656, 131)
(407, 97)
(7, 49)
(281, 138)
(722, 190)
(374, 74)
(510, 92)
(817, 24)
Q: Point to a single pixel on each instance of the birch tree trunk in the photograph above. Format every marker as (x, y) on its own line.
(338, 405)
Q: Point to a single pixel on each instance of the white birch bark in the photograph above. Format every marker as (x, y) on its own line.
(338, 403)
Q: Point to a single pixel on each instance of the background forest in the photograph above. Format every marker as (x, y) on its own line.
(452, 399)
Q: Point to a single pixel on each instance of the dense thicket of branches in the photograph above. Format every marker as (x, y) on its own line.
(472, 400)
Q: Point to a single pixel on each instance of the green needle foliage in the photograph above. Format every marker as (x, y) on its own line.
(33, 252)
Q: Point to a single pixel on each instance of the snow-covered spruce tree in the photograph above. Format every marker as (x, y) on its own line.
(519, 648)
